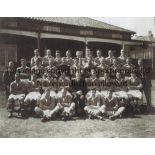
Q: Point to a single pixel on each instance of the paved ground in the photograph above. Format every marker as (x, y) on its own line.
(138, 126)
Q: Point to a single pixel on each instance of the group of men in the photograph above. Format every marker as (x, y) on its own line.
(97, 87)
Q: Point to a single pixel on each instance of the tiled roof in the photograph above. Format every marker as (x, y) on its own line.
(144, 38)
(82, 21)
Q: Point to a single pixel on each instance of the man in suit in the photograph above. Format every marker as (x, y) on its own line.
(8, 77)
(78, 89)
(144, 74)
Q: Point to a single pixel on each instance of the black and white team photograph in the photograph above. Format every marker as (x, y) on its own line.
(77, 77)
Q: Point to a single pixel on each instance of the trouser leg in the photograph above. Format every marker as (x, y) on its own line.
(72, 109)
(94, 112)
(38, 111)
(10, 105)
(119, 112)
(103, 109)
(147, 92)
(7, 91)
(58, 108)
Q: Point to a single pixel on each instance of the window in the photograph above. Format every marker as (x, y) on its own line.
(7, 53)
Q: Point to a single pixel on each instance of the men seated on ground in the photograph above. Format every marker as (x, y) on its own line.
(46, 105)
(65, 105)
(36, 56)
(93, 106)
(34, 89)
(24, 71)
(134, 93)
(47, 57)
(17, 95)
(111, 107)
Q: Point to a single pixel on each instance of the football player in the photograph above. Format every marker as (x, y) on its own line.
(36, 56)
(24, 70)
(46, 106)
(93, 106)
(46, 58)
(17, 95)
(65, 105)
(112, 108)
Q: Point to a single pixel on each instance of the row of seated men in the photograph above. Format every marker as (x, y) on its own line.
(69, 100)
(81, 78)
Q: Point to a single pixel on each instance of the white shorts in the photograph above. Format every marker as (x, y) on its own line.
(91, 108)
(47, 113)
(144, 98)
(90, 93)
(135, 93)
(33, 96)
(17, 97)
(121, 94)
(67, 110)
(59, 94)
(25, 81)
(104, 93)
(53, 94)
